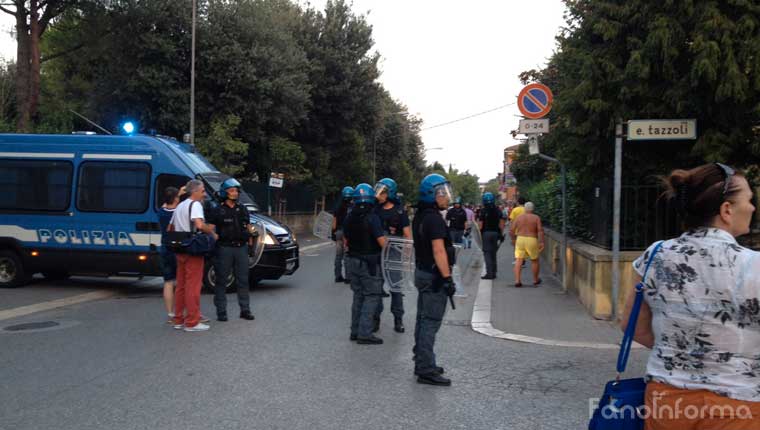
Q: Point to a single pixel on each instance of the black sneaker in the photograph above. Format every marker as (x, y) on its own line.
(488, 277)
(353, 337)
(372, 340)
(347, 281)
(340, 279)
(398, 326)
(247, 315)
(221, 317)
(433, 378)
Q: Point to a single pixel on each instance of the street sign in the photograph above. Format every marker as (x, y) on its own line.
(277, 180)
(534, 126)
(535, 101)
(662, 129)
(533, 145)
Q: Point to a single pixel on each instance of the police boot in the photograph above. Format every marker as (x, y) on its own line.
(372, 340)
(398, 325)
(434, 378)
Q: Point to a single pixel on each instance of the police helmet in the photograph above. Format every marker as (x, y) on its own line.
(488, 198)
(226, 185)
(363, 193)
(433, 185)
(458, 201)
(347, 193)
(387, 185)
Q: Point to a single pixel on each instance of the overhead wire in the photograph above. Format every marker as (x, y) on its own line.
(467, 117)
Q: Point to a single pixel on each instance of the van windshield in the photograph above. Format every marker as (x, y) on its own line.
(215, 180)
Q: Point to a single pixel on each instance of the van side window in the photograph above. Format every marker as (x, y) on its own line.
(113, 187)
(166, 180)
(35, 185)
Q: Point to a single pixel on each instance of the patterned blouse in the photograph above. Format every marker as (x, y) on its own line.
(703, 288)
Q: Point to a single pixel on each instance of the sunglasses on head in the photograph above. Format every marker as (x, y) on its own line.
(728, 172)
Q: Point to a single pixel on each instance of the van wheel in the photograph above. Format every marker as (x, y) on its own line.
(12, 273)
(56, 275)
(209, 280)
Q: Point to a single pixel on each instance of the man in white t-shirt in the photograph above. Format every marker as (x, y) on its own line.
(187, 296)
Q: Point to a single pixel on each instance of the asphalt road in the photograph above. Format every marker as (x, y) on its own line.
(114, 364)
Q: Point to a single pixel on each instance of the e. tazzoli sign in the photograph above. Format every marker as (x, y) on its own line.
(662, 129)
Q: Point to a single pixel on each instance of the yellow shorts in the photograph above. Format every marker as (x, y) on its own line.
(526, 247)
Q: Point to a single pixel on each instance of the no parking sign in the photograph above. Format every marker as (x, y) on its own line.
(535, 101)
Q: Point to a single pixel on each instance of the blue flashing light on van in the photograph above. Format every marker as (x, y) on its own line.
(88, 205)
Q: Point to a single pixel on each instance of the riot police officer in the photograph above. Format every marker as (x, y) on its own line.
(337, 232)
(395, 223)
(434, 258)
(364, 238)
(231, 220)
(491, 225)
(457, 219)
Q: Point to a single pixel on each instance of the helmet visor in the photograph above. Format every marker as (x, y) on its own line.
(444, 190)
(381, 188)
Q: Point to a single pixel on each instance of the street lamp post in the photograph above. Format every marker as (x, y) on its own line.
(192, 79)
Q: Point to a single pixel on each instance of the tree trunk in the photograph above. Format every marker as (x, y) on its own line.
(22, 70)
(35, 30)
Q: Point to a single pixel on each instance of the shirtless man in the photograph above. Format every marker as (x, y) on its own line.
(527, 236)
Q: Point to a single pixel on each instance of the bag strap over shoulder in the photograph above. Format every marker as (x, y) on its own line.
(625, 345)
(190, 216)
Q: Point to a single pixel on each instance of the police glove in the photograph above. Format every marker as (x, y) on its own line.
(450, 288)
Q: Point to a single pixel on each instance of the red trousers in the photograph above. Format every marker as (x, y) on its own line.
(187, 295)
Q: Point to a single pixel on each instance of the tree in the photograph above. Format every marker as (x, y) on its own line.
(222, 148)
(32, 19)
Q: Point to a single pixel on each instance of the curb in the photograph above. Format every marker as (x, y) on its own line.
(311, 247)
(481, 323)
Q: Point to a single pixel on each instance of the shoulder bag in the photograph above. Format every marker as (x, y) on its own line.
(620, 405)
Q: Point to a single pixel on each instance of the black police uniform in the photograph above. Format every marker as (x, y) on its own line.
(394, 220)
(457, 218)
(434, 291)
(231, 257)
(491, 216)
(362, 228)
(341, 212)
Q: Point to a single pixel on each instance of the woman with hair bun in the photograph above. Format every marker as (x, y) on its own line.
(701, 315)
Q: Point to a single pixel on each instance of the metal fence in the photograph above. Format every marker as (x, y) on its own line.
(645, 217)
(290, 199)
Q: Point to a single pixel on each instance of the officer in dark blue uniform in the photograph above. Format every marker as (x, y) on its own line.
(340, 214)
(434, 258)
(457, 219)
(365, 239)
(491, 225)
(231, 220)
(395, 223)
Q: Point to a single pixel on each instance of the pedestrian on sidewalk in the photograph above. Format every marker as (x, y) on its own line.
(340, 214)
(700, 314)
(231, 258)
(168, 258)
(492, 227)
(457, 218)
(365, 239)
(187, 296)
(513, 215)
(527, 236)
(395, 223)
(434, 257)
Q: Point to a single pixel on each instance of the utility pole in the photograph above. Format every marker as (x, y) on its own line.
(618, 184)
(192, 80)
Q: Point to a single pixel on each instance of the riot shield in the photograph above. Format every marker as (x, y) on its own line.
(259, 233)
(475, 235)
(323, 225)
(397, 261)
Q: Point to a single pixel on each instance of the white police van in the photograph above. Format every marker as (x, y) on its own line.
(88, 205)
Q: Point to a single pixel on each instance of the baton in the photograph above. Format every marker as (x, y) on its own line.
(451, 300)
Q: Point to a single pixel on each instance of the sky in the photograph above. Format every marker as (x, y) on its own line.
(449, 59)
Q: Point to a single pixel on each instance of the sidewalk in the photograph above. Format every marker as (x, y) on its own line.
(541, 315)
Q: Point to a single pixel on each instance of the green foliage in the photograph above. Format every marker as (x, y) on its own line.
(222, 148)
(464, 184)
(547, 196)
(302, 84)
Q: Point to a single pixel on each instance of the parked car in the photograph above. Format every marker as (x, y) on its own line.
(88, 205)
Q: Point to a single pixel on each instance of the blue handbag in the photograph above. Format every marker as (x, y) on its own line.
(619, 407)
(192, 243)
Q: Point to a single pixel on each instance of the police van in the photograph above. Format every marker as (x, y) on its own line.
(88, 205)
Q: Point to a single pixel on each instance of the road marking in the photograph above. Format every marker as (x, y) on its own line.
(481, 323)
(54, 304)
(319, 245)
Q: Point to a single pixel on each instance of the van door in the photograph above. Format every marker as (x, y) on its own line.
(113, 213)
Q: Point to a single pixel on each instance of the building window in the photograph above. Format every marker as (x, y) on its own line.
(122, 187)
